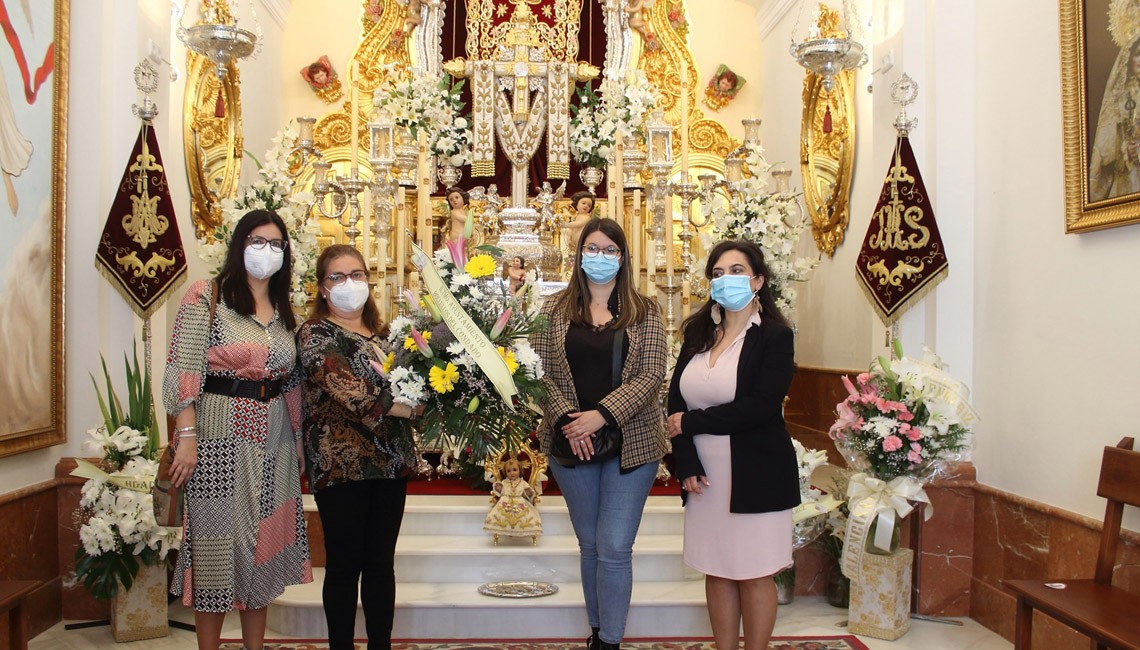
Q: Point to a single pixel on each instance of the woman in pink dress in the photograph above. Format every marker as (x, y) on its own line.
(732, 451)
(233, 388)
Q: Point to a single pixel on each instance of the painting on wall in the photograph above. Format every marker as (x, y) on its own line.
(33, 138)
(1100, 79)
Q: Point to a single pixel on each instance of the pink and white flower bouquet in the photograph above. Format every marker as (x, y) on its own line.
(903, 417)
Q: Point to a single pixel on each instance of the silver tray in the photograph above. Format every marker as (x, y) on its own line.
(518, 589)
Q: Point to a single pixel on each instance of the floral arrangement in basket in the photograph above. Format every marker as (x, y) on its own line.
(765, 217)
(618, 109)
(429, 366)
(274, 190)
(432, 104)
(901, 422)
(116, 515)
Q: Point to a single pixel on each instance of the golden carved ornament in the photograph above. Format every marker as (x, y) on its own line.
(827, 148)
(212, 145)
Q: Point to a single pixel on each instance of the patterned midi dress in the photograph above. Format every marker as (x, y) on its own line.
(244, 535)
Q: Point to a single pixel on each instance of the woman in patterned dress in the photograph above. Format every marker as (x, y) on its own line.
(358, 455)
(233, 387)
(733, 453)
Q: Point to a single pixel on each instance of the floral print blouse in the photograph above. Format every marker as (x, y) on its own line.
(346, 434)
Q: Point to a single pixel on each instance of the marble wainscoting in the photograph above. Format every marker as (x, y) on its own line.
(1018, 538)
(29, 551)
(77, 603)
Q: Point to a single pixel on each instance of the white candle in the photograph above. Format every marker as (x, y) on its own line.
(634, 237)
(423, 196)
(401, 239)
(354, 107)
(684, 122)
(619, 194)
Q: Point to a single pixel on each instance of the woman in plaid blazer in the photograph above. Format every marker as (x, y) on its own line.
(605, 496)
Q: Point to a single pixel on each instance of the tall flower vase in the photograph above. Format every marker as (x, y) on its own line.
(140, 612)
(785, 586)
(591, 177)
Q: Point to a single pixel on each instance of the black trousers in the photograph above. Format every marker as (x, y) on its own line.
(361, 520)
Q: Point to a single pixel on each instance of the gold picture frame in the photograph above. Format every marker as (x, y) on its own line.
(1102, 171)
(32, 383)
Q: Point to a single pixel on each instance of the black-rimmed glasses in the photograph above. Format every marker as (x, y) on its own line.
(258, 242)
(339, 278)
(609, 251)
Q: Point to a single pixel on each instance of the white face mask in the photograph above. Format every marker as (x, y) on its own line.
(349, 295)
(263, 262)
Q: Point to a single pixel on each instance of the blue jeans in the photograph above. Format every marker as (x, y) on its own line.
(605, 508)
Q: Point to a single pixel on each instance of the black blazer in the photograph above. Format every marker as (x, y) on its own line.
(765, 477)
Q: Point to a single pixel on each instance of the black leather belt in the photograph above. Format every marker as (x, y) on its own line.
(262, 391)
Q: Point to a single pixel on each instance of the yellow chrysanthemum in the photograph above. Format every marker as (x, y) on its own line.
(388, 361)
(410, 343)
(443, 380)
(509, 357)
(480, 266)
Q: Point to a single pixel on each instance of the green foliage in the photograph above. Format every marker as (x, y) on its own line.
(139, 414)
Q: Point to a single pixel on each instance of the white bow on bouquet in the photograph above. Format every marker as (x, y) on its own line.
(872, 500)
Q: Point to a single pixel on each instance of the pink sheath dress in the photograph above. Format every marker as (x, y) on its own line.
(718, 542)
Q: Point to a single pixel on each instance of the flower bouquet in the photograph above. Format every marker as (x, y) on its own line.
(598, 121)
(462, 353)
(901, 422)
(432, 104)
(808, 517)
(118, 529)
(765, 217)
(274, 190)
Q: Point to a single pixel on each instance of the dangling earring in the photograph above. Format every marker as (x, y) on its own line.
(715, 313)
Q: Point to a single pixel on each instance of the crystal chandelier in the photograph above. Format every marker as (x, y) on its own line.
(217, 36)
(830, 49)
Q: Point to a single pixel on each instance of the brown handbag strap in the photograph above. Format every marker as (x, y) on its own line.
(213, 302)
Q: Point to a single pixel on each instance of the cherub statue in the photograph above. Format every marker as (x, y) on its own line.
(514, 513)
(492, 204)
(633, 9)
(458, 200)
(515, 273)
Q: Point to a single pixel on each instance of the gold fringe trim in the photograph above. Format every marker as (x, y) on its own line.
(925, 288)
(142, 312)
(483, 168)
(558, 170)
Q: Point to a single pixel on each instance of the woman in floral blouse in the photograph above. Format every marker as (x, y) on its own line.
(357, 455)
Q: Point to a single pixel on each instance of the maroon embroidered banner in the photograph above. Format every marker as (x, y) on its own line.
(140, 252)
(902, 257)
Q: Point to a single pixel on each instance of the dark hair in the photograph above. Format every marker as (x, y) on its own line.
(578, 196)
(574, 302)
(462, 192)
(316, 67)
(700, 333)
(233, 282)
(729, 75)
(371, 315)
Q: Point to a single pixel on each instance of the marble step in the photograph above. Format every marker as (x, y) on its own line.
(457, 610)
(464, 559)
(464, 514)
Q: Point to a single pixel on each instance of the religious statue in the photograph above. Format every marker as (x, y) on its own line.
(544, 202)
(582, 204)
(722, 88)
(322, 79)
(515, 273)
(514, 513)
(633, 9)
(457, 201)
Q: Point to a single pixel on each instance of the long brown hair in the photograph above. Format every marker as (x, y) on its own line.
(574, 302)
(320, 310)
(699, 330)
(233, 281)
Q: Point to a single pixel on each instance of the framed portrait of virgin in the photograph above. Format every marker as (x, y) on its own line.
(33, 164)
(1100, 80)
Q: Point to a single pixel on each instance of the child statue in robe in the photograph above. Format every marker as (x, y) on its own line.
(514, 513)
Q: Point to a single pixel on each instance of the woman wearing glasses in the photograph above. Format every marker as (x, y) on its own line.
(357, 456)
(598, 316)
(734, 457)
(231, 387)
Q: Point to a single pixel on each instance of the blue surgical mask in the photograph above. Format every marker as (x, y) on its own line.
(733, 292)
(599, 268)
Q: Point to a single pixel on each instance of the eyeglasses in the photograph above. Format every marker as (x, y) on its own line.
(610, 252)
(339, 278)
(259, 242)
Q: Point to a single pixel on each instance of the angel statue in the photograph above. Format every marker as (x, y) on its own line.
(492, 205)
(544, 203)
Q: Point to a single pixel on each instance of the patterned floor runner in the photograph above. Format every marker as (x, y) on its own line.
(779, 643)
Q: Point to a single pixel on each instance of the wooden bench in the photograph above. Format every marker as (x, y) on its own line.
(12, 594)
(1095, 608)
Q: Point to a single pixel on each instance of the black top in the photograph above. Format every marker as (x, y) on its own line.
(589, 351)
(765, 475)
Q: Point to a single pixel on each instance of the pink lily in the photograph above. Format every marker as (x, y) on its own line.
(458, 249)
(500, 324)
(378, 367)
(850, 387)
(421, 344)
(413, 301)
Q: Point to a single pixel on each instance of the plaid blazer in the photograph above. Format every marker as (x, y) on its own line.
(635, 404)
